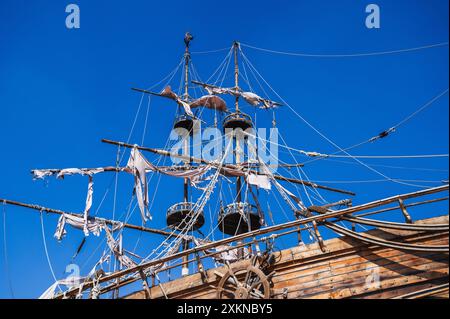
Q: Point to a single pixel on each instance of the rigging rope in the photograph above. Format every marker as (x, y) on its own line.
(5, 252)
(347, 55)
(423, 107)
(377, 180)
(388, 156)
(169, 77)
(379, 136)
(386, 243)
(46, 251)
(390, 166)
(322, 135)
(392, 129)
(146, 119)
(210, 51)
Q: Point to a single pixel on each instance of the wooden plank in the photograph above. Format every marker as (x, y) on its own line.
(306, 267)
(329, 288)
(362, 258)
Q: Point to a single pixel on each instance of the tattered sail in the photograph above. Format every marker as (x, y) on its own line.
(117, 250)
(250, 97)
(210, 102)
(138, 165)
(60, 173)
(89, 225)
(167, 92)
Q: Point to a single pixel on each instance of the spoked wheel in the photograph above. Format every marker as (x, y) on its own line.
(244, 282)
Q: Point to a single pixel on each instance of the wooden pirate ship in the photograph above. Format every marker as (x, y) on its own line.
(371, 257)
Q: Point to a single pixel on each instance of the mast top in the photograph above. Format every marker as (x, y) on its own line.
(188, 37)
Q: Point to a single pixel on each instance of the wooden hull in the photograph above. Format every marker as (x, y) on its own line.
(348, 269)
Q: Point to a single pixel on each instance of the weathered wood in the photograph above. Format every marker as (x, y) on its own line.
(343, 272)
(404, 211)
(271, 229)
(106, 221)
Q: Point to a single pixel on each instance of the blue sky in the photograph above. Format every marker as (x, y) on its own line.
(63, 90)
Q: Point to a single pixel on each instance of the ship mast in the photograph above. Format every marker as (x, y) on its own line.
(236, 103)
(236, 73)
(187, 56)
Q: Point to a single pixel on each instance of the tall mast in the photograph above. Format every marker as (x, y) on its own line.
(236, 73)
(187, 39)
(238, 142)
(187, 56)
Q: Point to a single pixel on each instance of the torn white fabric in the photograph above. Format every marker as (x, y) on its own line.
(186, 107)
(256, 100)
(138, 164)
(116, 249)
(41, 173)
(92, 225)
(60, 173)
(261, 181)
(195, 174)
(250, 97)
(88, 206)
(216, 90)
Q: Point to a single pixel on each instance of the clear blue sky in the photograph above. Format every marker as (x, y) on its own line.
(62, 90)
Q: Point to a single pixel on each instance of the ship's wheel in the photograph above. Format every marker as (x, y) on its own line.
(244, 282)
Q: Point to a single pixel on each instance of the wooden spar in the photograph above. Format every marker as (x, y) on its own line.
(406, 206)
(105, 169)
(106, 221)
(202, 161)
(148, 92)
(271, 229)
(232, 90)
(311, 184)
(156, 151)
(394, 225)
(55, 171)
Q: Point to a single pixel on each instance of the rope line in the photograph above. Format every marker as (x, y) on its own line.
(5, 251)
(442, 44)
(325, 137)
(46, 252)
(210, 51)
